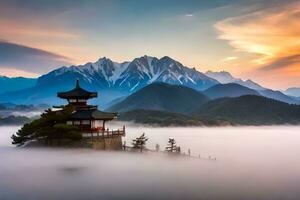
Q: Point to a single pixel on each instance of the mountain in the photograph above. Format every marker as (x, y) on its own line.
(14, 120)
(250, 110)
(113, 79)
(228, 90)
(163, 118)
(277, 95)
(293, 91)
(163, 97)
(130, 76)
(225, 77)
(16, 83)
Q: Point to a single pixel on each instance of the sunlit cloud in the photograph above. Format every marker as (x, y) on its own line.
(12, 28)
(272, 35)
(230, 58)
(12, 72)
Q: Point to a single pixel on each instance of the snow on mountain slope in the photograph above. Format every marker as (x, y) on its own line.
(112, 78)
(225, 77)
(130, 76)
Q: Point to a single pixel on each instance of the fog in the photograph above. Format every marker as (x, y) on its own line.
(252, 163)
(6, 113)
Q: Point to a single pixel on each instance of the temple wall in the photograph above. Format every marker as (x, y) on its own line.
(113, 143)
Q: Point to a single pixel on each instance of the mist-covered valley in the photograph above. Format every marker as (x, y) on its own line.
(252, 163)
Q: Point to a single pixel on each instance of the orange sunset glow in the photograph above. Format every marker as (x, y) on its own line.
(260, 41)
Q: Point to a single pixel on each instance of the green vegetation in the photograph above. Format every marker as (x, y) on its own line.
(229, 90)
(50, 126)
(172, 147)
(250, 110)
(140, 142)
(163, 97)
(162, 118)
(168, 105)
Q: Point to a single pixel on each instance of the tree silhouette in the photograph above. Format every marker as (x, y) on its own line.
(171, 146)
(50, 126)
(140, 142)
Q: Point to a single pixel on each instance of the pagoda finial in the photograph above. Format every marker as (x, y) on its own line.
(77, 83)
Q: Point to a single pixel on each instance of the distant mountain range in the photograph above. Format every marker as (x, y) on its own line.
(293, 91)
(159, 104)
(115, 81)
(163, 97)
(112, 78)
(17, 83)
(250, 110)
(225, 77)
(229, 90)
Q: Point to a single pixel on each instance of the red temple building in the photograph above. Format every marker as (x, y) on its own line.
(90, 120)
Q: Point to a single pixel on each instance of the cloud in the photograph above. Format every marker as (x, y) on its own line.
(282, 63)
(29, 59)
(271, 34)
(230, 58)
(189, 15)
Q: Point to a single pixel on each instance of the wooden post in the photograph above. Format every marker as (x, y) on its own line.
(103, 124)
(124, 145)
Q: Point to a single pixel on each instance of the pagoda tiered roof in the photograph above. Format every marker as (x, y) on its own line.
(77, 93)
(92, 114)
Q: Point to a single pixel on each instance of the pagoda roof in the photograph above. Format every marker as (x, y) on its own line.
(92, 114)
(77, 92)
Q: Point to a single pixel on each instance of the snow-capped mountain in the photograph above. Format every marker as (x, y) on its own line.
(113, 78)
(129, 76)
(225, 77)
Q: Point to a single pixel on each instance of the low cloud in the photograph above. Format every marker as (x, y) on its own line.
(29, 59)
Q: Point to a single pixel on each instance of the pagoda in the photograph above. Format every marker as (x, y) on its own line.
(90, 120)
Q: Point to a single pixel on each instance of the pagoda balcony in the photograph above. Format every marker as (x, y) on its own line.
(101, 133)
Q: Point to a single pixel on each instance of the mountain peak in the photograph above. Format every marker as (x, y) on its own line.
(167, 59)
(225, 77)
(103, 60)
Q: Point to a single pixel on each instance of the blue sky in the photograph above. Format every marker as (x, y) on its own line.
(38, 36)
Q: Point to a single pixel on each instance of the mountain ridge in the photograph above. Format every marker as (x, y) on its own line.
(9, 84)
(163, 97)
(228, 90)
(250, 110)
(112, 78)
(225, 77)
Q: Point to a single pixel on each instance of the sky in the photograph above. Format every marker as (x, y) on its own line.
(251, 39)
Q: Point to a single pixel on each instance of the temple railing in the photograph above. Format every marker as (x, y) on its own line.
(95, 133)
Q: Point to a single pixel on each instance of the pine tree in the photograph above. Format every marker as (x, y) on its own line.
(50, 126)
(140, 142)
(171, 146)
